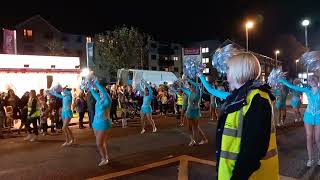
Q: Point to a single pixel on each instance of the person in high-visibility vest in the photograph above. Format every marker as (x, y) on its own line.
(246, 145)
(33, 116)
(179, 105)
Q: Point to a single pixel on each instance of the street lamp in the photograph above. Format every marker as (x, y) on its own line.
(277, 52)
(306, 23)
(249, 25)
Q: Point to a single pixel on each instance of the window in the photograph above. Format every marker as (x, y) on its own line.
(79, 40)
(48, 35)
(176, 69)
(27, 34)
(205, 60)
(53, 66)
(154, 57)
(175, 58)
(153, 45)
(65, 39)
(26, 65)
(205, 50)
(206, 71)
(154, 68)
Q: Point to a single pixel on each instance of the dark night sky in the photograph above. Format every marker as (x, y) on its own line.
(180, 21)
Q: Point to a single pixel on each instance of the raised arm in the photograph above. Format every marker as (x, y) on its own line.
(186, 91)
(56, 94)
(213, 91)
(291, 86)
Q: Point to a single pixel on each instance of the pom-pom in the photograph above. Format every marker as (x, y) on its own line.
(57, 88)
(222, 55)
(87, 83)
(192, 67)
(311, 60)
(275, 76)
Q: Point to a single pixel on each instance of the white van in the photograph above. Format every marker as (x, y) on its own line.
(134, 76)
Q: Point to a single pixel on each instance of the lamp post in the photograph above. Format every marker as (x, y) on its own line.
(249, 25)
(276, 53)
(306, 23)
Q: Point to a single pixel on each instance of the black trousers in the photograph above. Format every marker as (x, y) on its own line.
(179, 109)
(81, 116)
(44, 127)
(32, 121)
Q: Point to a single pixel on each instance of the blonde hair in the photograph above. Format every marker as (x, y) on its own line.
(244, 67)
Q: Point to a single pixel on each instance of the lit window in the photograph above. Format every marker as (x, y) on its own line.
(27, 33)
(205, 60)
(205, 50)
(206, 71)
(165, 58)
(175, 58)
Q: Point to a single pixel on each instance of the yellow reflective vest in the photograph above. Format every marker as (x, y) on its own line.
(180, 99)
(36, 114)
(231, 140)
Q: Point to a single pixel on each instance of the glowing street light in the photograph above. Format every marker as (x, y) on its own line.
(249, 25)
(306, 23)
(85, 72)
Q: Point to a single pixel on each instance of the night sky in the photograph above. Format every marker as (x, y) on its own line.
(179, 21)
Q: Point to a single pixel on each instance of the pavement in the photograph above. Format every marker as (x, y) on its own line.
(161, 155)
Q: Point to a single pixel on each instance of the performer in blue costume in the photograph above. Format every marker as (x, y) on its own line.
(66, 114)
(311, 115)
(193, 113)
(102, 122)
(296, 101)
(146, 109)
(281, 98)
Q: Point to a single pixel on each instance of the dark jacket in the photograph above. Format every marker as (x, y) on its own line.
(256, 128)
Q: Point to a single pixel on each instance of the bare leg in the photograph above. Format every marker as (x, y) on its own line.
(142, 123)
(105, 143)
(204, 140)
(100, 144)
(149, 117)
(310, 139)
(65, 131)
(317, 138)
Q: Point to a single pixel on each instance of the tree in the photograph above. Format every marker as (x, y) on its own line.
(291, 50)
(55, 48)
(122, 48)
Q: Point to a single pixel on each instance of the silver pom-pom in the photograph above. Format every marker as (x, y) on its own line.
(193, 67)
(87, 83)
(311, 60)
(275, 76)
(57, 88)
(143, 84)
(222, 55)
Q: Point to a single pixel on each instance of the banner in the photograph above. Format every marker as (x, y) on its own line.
(9, 41)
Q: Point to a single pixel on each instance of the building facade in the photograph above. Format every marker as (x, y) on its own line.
(36, 36)
(163, 56)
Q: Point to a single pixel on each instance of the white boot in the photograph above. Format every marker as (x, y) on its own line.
(34, 138)
(27, 138)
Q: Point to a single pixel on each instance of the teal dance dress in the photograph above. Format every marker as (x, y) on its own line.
(312, 113)
(101, 121)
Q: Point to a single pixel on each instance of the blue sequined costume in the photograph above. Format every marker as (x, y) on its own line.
(101, 120)
(193, 110)
(295, 100)
(312, 113)
(66, 103)
(281, 98)
(146, 105)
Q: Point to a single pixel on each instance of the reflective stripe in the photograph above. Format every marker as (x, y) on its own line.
(229, 155)
(230, 132)
(234, 156)
(270, 154)
(240, 123)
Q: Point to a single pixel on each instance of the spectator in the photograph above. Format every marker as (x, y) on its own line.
(2, 115)
(81, 107)
(13, 101)
(91, 107)
(44, 113)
